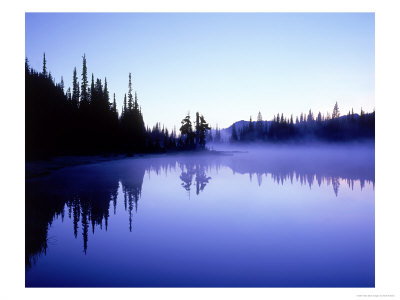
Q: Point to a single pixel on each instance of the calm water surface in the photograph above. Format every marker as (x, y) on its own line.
(265, 218)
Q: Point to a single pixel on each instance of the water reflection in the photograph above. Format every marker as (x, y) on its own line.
(89, 192)
(196, 171)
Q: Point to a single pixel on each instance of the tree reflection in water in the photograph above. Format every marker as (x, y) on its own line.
(88, 192)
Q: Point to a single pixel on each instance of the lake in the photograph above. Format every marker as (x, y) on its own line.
(276, 216)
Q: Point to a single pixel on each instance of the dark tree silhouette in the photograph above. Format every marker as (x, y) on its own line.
(201, 131)
(75, 90)
(308, 128)
(44, 71)
(84, 84)
(335, 113)
(187, 132)
(84, 120)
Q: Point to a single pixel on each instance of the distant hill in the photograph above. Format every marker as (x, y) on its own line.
(227, 132)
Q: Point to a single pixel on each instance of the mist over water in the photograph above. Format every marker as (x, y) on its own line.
(269, 216)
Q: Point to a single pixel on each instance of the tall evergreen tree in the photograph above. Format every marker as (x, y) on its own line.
(203, 128)
(84, 84)
(44, 70)
(125, 107)
(68, 94)
(92, 91)
(187, 130)
(98, 87)
(319, 117)
(136, 105)
(75, 90)
(251, 125)
(310, 116)
(78, 93)
(197, 127)
(106, 94)
(335, 113)
(62, 84)
(114, 107)
(259, 120)
(27, 68)
(130, 96)
(259, 126)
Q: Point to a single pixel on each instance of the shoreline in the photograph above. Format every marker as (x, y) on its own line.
(40, 168)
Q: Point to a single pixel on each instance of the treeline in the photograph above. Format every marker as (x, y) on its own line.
(84, 119)
(216, 137)
(349, 127)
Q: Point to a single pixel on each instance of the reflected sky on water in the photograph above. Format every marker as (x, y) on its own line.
(276, 218)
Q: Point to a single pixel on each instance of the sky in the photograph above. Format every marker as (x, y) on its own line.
(227, 66)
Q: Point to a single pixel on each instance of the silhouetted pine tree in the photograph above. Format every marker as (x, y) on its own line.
(130, 96)
(187, 132)
(75, 90)
(201, 130)
(132, 124)
(44, 70)
(92, 91)
(62, 84)
(68, 95)
(259, 127)
(84, 83)
(125, 106)
(335, 113)
(319, 117)
(197, 128)
(114, 108)
(251, 125)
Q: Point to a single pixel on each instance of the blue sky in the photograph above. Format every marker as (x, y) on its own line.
(227, 66)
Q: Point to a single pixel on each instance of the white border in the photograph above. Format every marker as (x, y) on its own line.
(387, 101)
